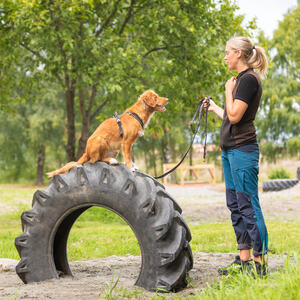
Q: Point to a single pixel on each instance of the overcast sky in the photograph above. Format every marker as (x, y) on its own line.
(267, 12)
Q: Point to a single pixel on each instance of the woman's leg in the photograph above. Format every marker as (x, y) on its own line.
(242, 236)
(245, 177)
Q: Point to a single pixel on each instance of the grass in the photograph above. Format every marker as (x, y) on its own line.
(283, 284)
(101, 233)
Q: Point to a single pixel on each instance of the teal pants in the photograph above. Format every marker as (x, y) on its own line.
(241, 180)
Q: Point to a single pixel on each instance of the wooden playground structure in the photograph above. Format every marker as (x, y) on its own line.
(194, 170)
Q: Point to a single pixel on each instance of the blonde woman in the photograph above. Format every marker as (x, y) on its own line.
(240, 152)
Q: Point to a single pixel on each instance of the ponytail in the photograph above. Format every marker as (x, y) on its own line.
(254, 56)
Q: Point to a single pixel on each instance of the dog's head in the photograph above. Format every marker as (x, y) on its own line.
(152, 100)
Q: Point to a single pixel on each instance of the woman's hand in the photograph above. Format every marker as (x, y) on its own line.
(212, 105)
(230, 84)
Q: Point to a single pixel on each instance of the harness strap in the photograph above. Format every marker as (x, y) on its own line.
(137, 117)
(116, 116)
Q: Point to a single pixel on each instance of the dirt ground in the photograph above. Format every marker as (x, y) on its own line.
(200, 203)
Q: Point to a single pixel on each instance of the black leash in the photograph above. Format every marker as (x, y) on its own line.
(199, 112)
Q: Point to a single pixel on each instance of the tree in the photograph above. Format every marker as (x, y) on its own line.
(29, 135)
(110, 51)
(279, 120)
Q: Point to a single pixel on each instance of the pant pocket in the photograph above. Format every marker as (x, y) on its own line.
(239, 180)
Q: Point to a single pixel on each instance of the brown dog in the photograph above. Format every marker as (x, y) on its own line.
(105, 143)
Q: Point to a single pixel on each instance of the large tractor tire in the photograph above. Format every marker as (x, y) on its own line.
(278, 184)
(153, 215)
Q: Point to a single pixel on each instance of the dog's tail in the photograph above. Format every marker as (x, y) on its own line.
(84, 158)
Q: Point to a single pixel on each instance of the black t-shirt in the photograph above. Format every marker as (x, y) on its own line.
(247, 88)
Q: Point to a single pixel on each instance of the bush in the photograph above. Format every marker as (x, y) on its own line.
(293, 146)
(279, 173)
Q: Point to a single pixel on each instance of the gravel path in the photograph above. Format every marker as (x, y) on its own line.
(92, 278)
(206, 203)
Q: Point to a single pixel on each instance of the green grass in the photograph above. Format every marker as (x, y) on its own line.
(283, 237)
(282, 284)
(107, 234)
(93, 239)
(99, 233)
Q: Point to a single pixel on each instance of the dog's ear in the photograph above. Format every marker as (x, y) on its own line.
(149, 98)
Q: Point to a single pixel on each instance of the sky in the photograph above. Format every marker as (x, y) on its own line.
(267, 12)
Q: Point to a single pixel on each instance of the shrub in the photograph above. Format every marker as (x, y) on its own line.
(279, 173)
(293, 146)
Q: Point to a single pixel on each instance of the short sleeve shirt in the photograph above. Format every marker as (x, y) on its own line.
(247, 88)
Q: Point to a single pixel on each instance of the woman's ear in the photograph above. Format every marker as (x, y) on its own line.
(239, 53)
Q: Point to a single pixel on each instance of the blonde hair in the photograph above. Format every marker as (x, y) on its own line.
(254, 56)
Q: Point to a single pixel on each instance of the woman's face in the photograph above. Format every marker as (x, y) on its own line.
(232, 57)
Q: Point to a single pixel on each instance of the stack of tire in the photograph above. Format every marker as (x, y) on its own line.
(280, 184)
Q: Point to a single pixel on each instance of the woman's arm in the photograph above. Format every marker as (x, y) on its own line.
(235, 109)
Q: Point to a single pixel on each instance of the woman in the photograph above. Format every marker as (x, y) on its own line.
(240, 151)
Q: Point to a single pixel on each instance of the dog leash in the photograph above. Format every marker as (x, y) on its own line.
(199, 112)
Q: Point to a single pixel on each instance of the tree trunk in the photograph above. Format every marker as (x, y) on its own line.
(69, 97)
(40, 165)
(84, 136)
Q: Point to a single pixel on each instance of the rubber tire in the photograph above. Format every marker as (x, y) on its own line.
(153, 215)
(278, 184)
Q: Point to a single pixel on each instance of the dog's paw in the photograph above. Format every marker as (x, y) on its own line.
(113, 161)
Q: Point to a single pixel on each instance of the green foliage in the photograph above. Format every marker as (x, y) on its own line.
(279, 173)
(271, 151)
(278, 121)
(107, 53)
(23, 131)
(293, 146)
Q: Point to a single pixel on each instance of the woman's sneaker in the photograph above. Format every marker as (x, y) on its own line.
(233, 268)
(261, 269)
(254, 268)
